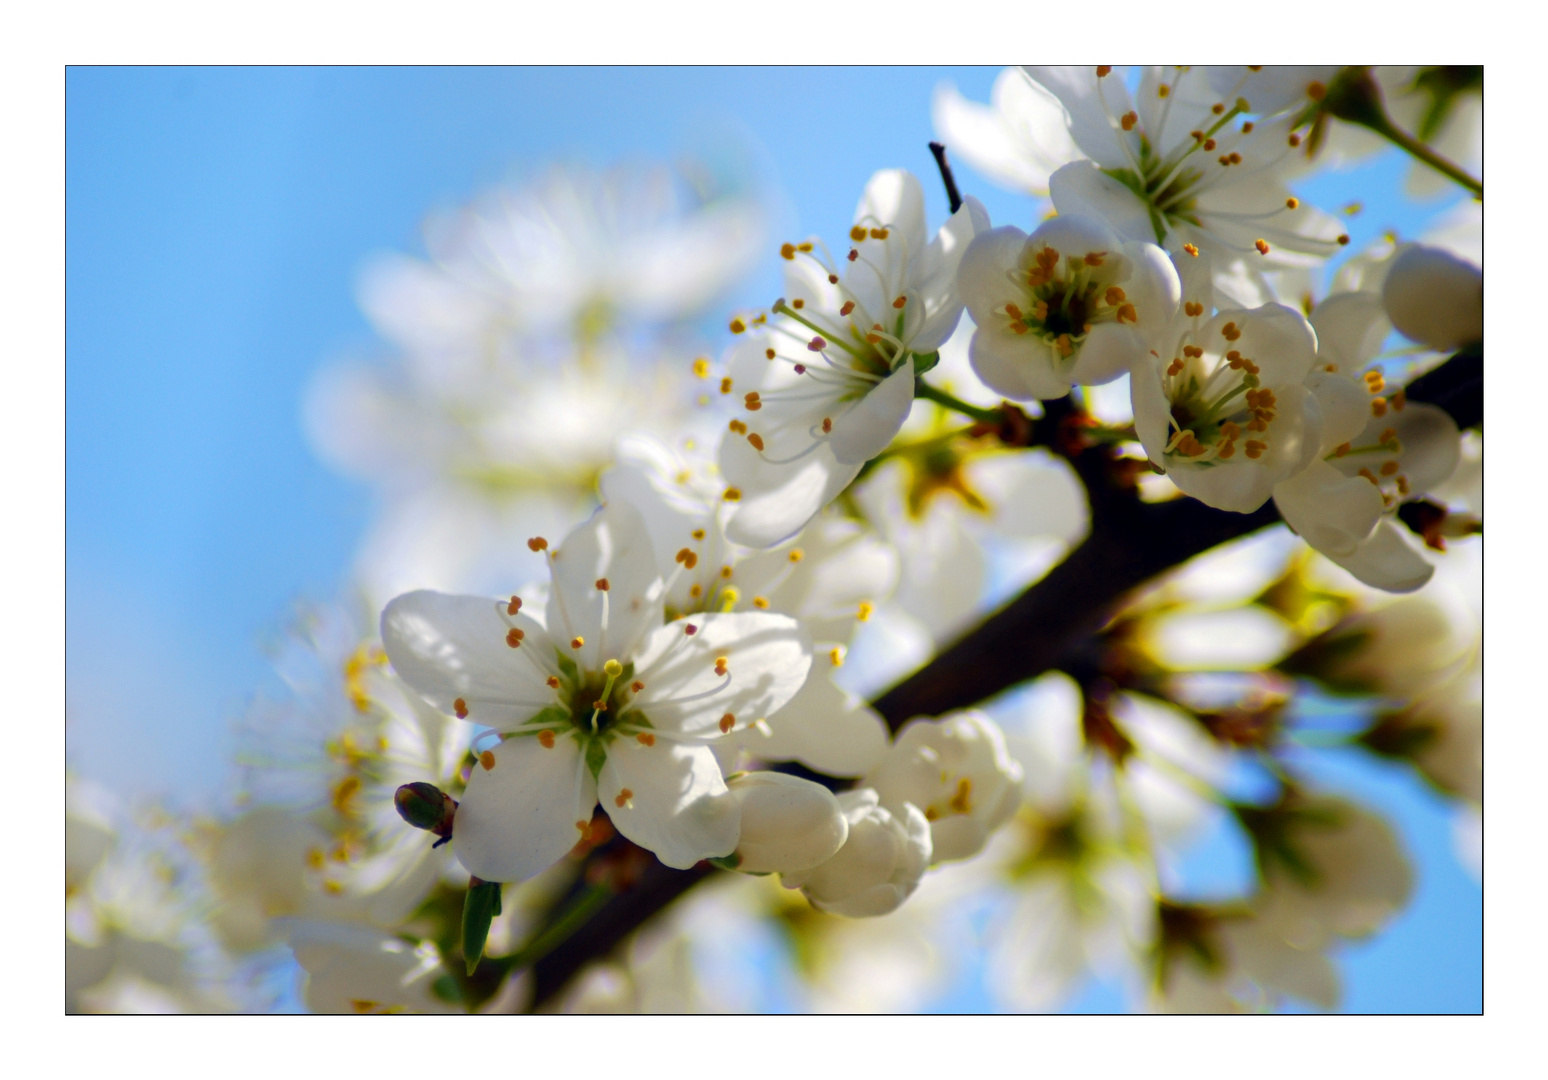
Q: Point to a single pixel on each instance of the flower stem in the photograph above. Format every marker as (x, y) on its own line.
(1419, 150)
(1355, 97)
(941, 397)
(556, 934)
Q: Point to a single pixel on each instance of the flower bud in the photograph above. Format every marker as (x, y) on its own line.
(958, 772)
(1396, 650)
(788, 824)
(879, 865)
(427, 807)
(1435, 298)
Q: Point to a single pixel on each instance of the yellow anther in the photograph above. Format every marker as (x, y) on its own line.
(1316, 91)
(537, 543)
(729, 597)
(1255, 448)
(636, 686)
(553, 682)
(857, 234)
(577, 641)
(701, 368)
(836, 656)
(798, 303)
(864, 611)
(1191, 250)
(738, 427)
(683, 555)
(1230, 332)
(725, 571)
(645, 738)
(787, 251)
(1192, 351)
(805, 245)
(796, 554)
(460, 707)
(720, 664)
(487, 760)
(1015, 312)
(1062, 342)
(514, 606)
(1294, 140)
(761, 602)
(1399, 399)
(698, 534)
(1402, 485)
(738, 326)
(900, 302)
(1262, 246)
(1292, 202)
(602, 584)
(756, 440)
(623, 797)
(1126, 313)
(1247, 128)
(696, 591)
(1104, 70)
(1217, 108)
(1209, 144)
(1388, 468)
(1094, 258)
(1163, 90)
(1128, 120)
(878, 234)
(513, 638)
(727, 722)
(725, 385)
(1370, 476)
(961, 802)
(1175, 367)
(1114, 296)
(732, 494)
(827, 425)
(1343, 239)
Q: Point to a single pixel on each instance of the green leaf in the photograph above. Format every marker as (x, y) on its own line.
(478, 911)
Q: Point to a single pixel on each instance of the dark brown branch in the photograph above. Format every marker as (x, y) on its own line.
(953, 196)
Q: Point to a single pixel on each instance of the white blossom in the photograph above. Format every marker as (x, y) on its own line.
(1435, 298)
(831, 382)
(604, 701)
(788, 824)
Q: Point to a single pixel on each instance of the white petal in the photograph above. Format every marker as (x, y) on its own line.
(1345, 405)
(1277, 338)
(614, 545)
(768, 657)
(1020, 368)
(823, 727)
(894, 198)
(449, 647)
(1081, 189)
(778, 500)
(1108, 352)
(1350, 329)
(1387, 561)
(670, 799)
(1434, 297)
(1331, 511)
(982, 277)
(1091, 105)
(520, 817)
(870, 424)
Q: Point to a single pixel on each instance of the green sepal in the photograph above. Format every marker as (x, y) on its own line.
(568, 669)
(478, 911)
(556, 716)
(446, 989)
(726, 862)
(924, 362)
(596, 754)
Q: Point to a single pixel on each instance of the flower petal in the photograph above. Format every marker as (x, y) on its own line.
(670, 799)
(454, 647)
(521, 816)
(613, 546)
(1332, 512)
(1080, 189)
(1107, 354)
(1387, 561)
(767, 657)
(869, 425)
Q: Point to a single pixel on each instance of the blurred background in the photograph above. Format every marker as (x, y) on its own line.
(217, 224)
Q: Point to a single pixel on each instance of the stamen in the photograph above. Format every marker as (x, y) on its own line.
(577, 641)
(487, 760)
(513, 637)
(727, 722)
(537, 543)
(514, 606)
(460, 707)
(545, 738)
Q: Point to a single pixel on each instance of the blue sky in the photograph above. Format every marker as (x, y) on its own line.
(216, 219)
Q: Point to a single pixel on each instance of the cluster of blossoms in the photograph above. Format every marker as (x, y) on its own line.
(677, 681)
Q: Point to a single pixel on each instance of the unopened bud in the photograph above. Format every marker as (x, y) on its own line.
(427, 807)
(879, 865)
(1434, 298)
(788, 824)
